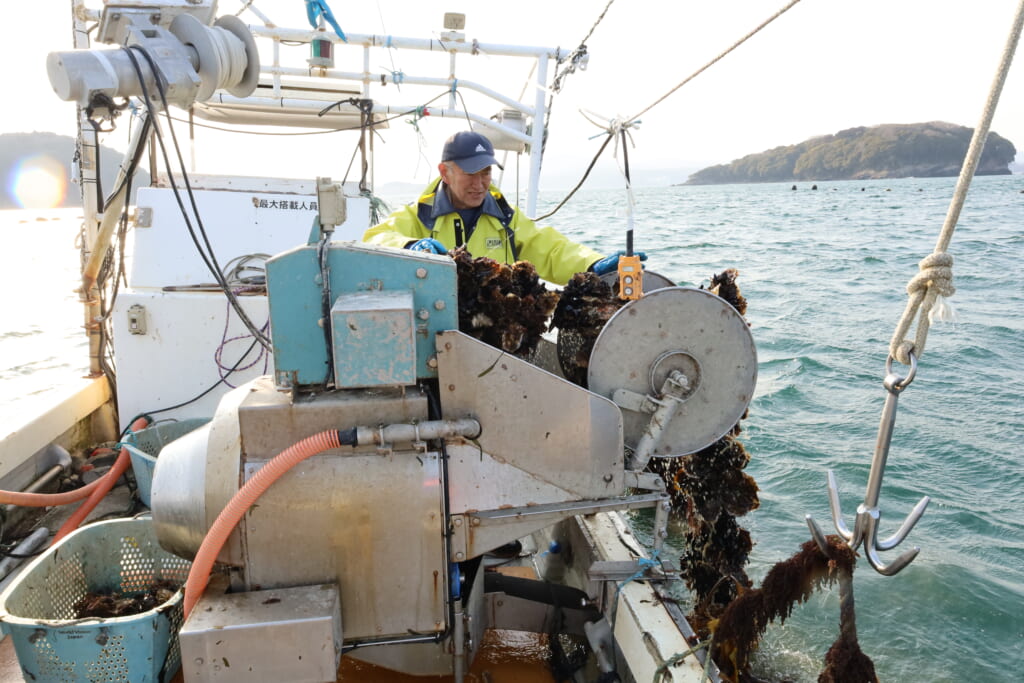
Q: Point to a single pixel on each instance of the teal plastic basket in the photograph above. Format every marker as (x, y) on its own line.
(145, 445)
(37, 610)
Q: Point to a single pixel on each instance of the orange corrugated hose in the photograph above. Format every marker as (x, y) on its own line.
(217, 536)
(38, 500)
(103, 486)
(42, 500)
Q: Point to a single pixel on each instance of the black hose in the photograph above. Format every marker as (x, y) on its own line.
(347, 437)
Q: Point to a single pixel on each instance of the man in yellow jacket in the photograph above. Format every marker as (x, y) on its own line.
(462, 207)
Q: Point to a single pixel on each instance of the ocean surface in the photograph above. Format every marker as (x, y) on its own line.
(824, 272)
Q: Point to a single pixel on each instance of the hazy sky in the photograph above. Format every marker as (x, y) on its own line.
(823, 66)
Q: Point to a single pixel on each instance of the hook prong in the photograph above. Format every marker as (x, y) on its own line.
(865, 526)
(817, 534)
(836, 508)
(905, 528)
(893, 567)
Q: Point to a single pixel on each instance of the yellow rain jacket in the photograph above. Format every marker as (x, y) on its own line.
(502, 233)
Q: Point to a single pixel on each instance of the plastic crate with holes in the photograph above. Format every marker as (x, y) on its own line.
(38, 609)
(146, 445)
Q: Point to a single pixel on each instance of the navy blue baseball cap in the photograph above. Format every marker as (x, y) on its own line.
(470, 151)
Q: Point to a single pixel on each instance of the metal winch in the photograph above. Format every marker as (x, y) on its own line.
(461, 449)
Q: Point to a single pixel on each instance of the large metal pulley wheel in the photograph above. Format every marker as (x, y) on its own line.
(574, 345)
(682, 329)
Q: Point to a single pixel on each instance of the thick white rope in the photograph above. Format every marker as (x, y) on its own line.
(935, 277)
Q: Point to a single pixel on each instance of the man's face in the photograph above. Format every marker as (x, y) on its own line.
(467, 190)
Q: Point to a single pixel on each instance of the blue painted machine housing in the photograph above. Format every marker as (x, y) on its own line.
(296, 304)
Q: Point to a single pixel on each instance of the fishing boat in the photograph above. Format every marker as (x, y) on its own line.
(366, 491)
(472, 493)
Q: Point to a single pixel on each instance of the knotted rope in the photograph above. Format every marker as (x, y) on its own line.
(935, 278)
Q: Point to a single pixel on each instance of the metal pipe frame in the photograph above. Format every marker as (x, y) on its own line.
(454, 47)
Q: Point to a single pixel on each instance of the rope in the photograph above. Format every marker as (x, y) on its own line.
(935, 278)
(577, 59)
(586, 173)
(703, 68)
(379, 208)
(677, 658)
(615, 125)
(644, 564)
(599, 18)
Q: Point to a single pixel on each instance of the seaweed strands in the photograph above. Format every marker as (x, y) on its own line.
(788, 583)
(724, 285)
(586, 304)
(710, 489)
(501, 305)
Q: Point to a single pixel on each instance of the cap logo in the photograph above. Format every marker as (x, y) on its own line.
(480, 148)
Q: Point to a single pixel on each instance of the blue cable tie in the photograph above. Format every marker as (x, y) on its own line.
(398, 77)
(455, 84)
(387, 43)
(644, 565)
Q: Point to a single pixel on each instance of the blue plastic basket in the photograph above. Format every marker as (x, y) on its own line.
(37, 610)
(148, 443)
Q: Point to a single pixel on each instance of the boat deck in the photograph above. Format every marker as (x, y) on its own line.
(504, 657)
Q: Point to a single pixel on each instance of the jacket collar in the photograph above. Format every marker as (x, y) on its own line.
(442, 205)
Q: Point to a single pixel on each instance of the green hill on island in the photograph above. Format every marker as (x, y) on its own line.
(919, 150)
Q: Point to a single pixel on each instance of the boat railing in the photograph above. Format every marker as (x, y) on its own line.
(518, 126)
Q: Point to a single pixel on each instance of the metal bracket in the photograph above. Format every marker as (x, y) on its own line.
(632, 569)
(673, 395)
(630, 400)
(646, 481)
(474, 533)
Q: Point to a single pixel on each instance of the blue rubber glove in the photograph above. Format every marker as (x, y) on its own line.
(428, 244)
(611, 263)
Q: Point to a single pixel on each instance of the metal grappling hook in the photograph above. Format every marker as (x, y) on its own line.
(865, 527)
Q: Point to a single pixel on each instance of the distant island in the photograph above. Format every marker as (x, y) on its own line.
(55, 153)
(919, 150)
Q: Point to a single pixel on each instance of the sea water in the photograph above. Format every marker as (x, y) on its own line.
(824, 272)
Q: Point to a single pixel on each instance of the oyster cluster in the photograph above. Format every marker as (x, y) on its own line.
(586, 305)
(504, 306)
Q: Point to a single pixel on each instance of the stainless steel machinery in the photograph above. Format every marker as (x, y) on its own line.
(458, 449)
